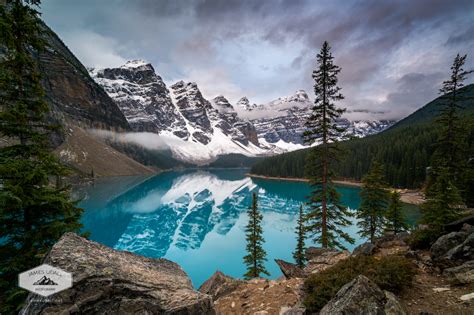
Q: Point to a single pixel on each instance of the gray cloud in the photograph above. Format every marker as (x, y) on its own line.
(462, 37)
(266, 49)
(412, 90)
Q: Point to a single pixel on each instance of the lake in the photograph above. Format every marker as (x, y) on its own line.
(197, 217)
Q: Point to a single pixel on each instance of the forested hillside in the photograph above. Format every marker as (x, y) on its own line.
(405, 149)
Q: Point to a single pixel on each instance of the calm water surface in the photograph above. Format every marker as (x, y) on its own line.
(197, 218)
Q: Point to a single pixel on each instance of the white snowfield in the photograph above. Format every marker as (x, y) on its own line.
(197, 130)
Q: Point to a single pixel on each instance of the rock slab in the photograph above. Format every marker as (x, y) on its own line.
(107, 281)
(219, 285)
(290, 270)
(320, 259)
(453, 249)
(361, 296)
(463, 274)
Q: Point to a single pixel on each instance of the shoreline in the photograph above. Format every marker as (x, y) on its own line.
(409, 196)
(304, 180)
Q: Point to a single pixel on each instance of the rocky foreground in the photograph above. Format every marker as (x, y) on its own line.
(107, 281)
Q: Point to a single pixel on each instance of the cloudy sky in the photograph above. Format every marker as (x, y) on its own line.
(393, 54)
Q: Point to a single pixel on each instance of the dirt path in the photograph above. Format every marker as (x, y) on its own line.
(423, 299)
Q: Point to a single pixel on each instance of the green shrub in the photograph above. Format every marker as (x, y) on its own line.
(391, 273)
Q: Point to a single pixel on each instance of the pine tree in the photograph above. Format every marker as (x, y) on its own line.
(374, 202)
(256, 256)
(451, 146)
(444, 203)
(34, 212)
(394, 219)
(298, 255)
(327, 215)
(449, 165)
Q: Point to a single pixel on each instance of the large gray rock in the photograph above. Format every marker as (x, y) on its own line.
(290, 270)
(361, 296)
(107, 281)
(366, 249)
(462, 274)
(453, 249)
(443, 245)
(320, 259)
(464, 251)
(219, 285)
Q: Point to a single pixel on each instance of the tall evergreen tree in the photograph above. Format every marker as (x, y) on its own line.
(394, 218)
(33, 212)
(450, 162)
(451, 153)
(298, 255)
(256, 256)
(444, 203)
(327, 215)
(374, 202)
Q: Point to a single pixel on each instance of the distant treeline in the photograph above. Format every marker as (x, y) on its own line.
(405, 149)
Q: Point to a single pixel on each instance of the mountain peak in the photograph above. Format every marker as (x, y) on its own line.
(299, 96)
(136, 63)
(244, 100)
(222, 104)
(245, 104)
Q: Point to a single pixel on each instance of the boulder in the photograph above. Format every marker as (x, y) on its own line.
(325, 259)
(290, 270)
(453, 249)
(361, 296)
(445, 244)
(366, 249)
(219, 285)
(462, 274)
(108, 281)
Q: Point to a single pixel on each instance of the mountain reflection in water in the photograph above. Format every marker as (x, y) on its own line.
(197, 218)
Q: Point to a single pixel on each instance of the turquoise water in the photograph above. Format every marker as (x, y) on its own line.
(197, 218)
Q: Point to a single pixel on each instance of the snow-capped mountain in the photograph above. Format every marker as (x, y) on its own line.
(198, 130)
(142, 96)
(283, 126)
(193, 128)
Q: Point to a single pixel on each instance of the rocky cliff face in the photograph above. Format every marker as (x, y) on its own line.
(107, 281)
(142, 96)
(78, 103)
(71, 93)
